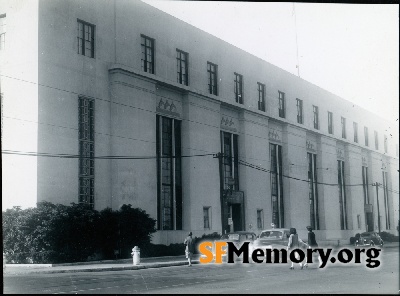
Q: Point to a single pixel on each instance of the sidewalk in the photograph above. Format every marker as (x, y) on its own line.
(117, 265)
(107, 265)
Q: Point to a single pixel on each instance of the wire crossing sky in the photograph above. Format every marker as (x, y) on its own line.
(351, 50)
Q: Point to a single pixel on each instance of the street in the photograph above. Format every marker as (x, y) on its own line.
(227, 279)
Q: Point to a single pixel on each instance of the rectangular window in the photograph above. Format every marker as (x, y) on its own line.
(147, 59)
(238, 88)
(330, 123)
(385, 143)
(2, 31)
(169, 181)
(276, 176)
(85, 39)
(313, 191)
(386, 199)
(316, 119)
(86, 151)
(260, 219)
(343, 122)
(261, 96)
(355, 128)
(342, 196)
(182, 60)
(365, 184)
(206, 217)
(230, 162)
(359, 221)
(282, 105)
(366, 136)
(212, 71)
(376, 140)
(299, 104)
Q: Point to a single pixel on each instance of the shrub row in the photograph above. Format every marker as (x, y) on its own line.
(53, 233)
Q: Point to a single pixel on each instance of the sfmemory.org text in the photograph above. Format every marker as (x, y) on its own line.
(268, 255)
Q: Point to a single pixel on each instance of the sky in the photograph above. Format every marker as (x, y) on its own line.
(351, 50)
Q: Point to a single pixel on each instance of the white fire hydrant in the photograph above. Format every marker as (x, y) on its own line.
(136, 255)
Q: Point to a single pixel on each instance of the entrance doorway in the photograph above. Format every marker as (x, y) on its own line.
(369, 221)
(236, 215)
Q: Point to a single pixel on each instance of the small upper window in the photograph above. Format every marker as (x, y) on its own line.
(299, 104)
(85, 39)
(355, 128)
(2, 31)
(281, 104)
(330, 123)
(261, 96)
(182, 67)
(238, 88)
(212, 70)
(316, 119)
(147, 54)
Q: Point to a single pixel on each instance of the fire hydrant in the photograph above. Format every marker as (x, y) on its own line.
(136, 255)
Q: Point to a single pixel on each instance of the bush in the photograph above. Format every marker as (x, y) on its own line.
(58, 234)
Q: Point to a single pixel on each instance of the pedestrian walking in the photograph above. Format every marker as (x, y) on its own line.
(295, 243)
(312, 243)
(189, 251)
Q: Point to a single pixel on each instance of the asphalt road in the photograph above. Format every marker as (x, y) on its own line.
(223, 279)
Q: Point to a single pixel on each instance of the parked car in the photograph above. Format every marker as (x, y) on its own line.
(369, 239)
(238, 237)
(275, 238)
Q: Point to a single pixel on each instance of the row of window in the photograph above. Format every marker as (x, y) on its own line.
(86, 48)
(169, 175)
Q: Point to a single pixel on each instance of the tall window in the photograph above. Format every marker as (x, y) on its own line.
(330, 123)
(355, 128)
(85, 39)
(365, 184)
(261, 96)
(260, 219)
(366, 135)
(343, 122)
(385, 144)
(147, 54)
(282, 105)
(169, 173)
(212, 71)
(342, 196)
(316, 120)
(276, 185)
(386, 199)
(238, 88)
(376, 140)
(2, 31)
(313, 192)
(230, 164)
(299, 104)
(182, 59)
(206, 217)
(86, 151)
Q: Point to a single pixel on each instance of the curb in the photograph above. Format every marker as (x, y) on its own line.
(100, 269)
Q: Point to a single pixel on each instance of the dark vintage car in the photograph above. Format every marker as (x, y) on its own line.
(275, 238)
(368, 239)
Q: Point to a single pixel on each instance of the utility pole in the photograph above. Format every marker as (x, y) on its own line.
(377, 201)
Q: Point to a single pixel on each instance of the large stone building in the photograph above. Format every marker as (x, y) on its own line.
(203, 136)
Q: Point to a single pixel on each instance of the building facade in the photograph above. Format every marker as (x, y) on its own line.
(116, 102)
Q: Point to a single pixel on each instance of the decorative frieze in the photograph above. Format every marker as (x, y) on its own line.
(167, 107)
(310, 145)
(228, 124)
(273, 135)
(340, 153)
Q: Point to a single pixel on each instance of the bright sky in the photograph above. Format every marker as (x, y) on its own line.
(351, 50)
